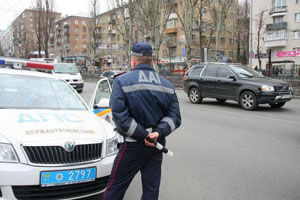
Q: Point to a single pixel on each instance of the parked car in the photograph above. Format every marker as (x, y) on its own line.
(111, 74)
(235, 82)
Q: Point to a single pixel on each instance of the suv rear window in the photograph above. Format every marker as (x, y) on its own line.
(211, 71)
(196, 71)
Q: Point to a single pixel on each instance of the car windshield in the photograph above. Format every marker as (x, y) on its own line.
(28, 92)
(246, 72)
(65, 68)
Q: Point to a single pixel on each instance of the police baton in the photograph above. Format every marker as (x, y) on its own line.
(160, 147)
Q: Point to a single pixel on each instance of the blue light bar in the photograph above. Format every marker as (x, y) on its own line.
(2, 62)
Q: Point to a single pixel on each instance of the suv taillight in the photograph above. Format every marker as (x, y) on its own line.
(184, 78)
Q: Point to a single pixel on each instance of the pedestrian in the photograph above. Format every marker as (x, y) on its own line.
(144, 104)
(256, 68)
(277, 71)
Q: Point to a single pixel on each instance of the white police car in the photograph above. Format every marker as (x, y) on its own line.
(52, 146)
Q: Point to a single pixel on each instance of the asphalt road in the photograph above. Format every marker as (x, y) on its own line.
(225, 153)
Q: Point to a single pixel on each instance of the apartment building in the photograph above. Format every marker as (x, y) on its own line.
(72, 37)
(25, 39)
(7, 42)
(173, 52)
(280, 36)
(172, 55)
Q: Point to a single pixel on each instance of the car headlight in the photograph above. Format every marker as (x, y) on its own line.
(267, 88)
(7, 153)
(112, 146)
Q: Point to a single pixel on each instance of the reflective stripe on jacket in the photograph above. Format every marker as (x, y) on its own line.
(143, 99)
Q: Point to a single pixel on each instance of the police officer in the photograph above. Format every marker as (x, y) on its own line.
(144, 104)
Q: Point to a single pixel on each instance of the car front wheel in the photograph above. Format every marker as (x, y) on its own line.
(277, 105)
(195, 95)
(248, 101)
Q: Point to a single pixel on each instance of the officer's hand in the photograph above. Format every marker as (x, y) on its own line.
(154, 136)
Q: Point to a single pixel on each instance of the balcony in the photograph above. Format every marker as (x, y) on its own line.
(171, 30)
(278, 11)
(277, 26)
(276, 39)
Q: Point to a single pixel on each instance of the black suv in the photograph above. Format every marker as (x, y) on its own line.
(235, 82)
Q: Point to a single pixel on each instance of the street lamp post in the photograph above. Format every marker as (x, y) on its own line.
(251, 35)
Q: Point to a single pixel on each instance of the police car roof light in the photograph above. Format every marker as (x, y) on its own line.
(26, 63)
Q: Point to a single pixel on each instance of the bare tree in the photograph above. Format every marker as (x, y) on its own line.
(219, 13)
(94, 11)
(21, 40)
(44, 20)
(186, 17)
(243, 32)
(152, 19)
(125, 12)
(260, 23)
(202, 7)
(1, 50)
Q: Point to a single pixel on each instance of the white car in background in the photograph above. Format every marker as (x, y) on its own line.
(70, 73)
(52, 145)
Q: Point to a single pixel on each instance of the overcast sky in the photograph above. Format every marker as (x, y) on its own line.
(10, 9)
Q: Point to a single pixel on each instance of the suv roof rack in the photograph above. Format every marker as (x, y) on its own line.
(18, 63)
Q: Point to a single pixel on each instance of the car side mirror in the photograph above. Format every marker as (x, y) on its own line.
(232, 77)
(103, 103)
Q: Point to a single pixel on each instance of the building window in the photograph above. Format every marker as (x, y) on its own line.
(203, 11)
(84, 30)
(84, 46)
(297, 17)
(223, 40)
(76, 30)
(193, 37)
(222, 53)
(193, 52)
(76, 21)
(172, 23)
(297, 34)
(231, 29)
(203, 25)
(231, 15)
(24, 15)
(172, 52)
(76, 37)
(230, 54)
(84, 37)
(165, 53)
(297, 1)
(84, 23)
(118, 37)
(277, 19)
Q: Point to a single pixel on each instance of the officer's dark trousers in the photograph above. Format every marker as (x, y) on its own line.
(132, 158)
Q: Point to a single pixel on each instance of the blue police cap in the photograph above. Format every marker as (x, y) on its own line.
(142, 49)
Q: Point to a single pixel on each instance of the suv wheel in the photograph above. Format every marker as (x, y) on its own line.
(195, 95)
(277, 105)
(248, 101)
(221, 100)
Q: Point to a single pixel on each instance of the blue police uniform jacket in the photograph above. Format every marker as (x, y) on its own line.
(143, 99)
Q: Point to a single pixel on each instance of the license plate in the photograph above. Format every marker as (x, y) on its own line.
(286, 96)
(74, 86)
(55, 178)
